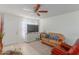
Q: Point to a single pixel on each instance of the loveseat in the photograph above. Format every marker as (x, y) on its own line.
(52, 39)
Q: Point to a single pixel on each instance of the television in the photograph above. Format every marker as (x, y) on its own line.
(32, 28)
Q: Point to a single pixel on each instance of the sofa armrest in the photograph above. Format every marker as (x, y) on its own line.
(57, 51)
(65, 46)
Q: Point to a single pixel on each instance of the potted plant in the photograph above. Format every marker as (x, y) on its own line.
(1, 44)
(1, 37)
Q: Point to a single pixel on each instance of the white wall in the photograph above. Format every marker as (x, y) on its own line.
(67, 24)
(12, 29)
(15, 27)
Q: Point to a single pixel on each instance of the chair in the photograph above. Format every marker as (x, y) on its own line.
(67, 49)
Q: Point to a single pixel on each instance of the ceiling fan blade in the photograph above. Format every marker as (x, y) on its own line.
(37, 7)
(38, 14)
(29, 10)
(43, 11)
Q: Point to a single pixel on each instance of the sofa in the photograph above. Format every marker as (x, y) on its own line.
(52, 39)
(66, 49)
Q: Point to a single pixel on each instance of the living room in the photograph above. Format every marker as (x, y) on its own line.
(22, 25)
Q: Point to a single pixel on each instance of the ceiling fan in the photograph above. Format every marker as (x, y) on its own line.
(38, 10)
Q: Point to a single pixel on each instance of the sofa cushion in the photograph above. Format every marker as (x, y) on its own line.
(55, 38)
(48, 36)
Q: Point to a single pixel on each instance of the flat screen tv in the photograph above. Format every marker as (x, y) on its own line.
(32, 28)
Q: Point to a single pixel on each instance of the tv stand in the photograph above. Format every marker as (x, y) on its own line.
(32, 36)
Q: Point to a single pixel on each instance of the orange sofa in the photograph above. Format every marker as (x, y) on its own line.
(52, 39)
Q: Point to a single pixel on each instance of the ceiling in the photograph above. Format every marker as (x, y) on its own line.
(26, 10)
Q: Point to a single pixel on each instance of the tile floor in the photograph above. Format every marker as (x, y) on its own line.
(32, 48)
